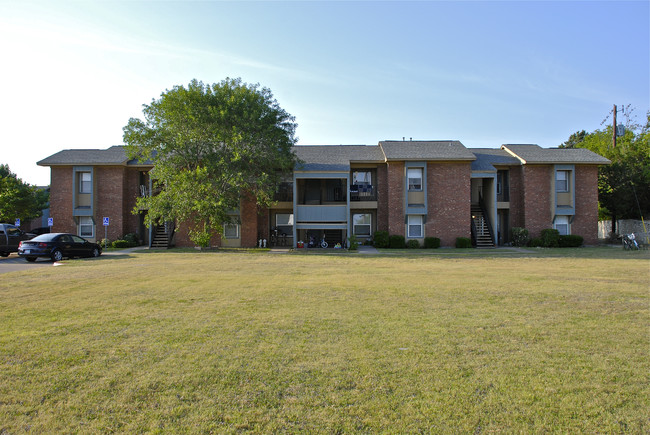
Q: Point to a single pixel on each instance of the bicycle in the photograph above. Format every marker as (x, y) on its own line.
(323, 243)
(629, 242)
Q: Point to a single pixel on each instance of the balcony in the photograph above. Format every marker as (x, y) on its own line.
(363, 192)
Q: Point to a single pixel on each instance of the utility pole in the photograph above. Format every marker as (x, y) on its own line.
(614, 129)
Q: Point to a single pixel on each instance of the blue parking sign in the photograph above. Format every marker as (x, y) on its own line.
(106, 221)
(50, 222)
(17, 223)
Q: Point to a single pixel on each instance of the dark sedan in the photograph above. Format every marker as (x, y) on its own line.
(58, 245)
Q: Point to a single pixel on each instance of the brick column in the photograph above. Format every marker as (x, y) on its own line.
(585, 222)
(449, 201)
(395, 177)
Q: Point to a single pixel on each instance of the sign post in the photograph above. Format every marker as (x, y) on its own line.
(106, 222)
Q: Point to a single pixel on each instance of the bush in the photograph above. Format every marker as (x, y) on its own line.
(353, 244)
(132, 238)
(200, 238)
(463, 242)
(121, 244)
(536, 242)
(431, 242)
(105, 243)
(413, 244)
(381, 239)
(396, 241)
(570, 241)
(519, 236)
(550, 238)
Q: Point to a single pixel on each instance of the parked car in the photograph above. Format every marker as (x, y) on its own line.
(58, 245)
(10, 238)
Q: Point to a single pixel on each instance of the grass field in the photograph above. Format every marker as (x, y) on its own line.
(555, 341)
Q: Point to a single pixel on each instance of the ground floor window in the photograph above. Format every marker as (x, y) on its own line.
(231, 231)
(361, 224)
(86, 226)
(562, 225)
(415, 226)
(284, 223)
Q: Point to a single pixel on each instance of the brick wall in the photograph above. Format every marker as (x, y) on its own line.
(248, 216)
(585, 222)
(61, 200)
(537, 198)
(382, 198)
(516, 197)
(395, 197)
(449, 202)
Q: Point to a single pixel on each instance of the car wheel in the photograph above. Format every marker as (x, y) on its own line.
(4, 254)
(30, 259)
(56, 255)
(96, 252)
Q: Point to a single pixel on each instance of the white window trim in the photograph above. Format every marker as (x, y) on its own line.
(236, 231)
(420, 224)
(91, 225)
(81, 182)
(408, 179)
(368, 224)
(567, 224)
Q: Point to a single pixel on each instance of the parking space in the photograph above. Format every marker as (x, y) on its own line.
(14, 263)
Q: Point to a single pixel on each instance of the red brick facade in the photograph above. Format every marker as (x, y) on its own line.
(395, 197)
(537, 198)
(585, 222)
(448, 198)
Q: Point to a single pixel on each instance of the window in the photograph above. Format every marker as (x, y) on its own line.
(562, 181)
(361, 178)
(284, 223)
(415, 226)
(86, 226)
(85, 182)
(562, 225)
(361, 224)
(231, 231)
(414, 176)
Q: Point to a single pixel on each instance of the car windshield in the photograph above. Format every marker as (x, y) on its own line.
(45, 238)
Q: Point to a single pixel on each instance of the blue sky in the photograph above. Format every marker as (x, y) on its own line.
(484, 73)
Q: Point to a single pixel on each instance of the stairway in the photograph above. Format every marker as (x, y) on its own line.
(483, 233)
(160, 237)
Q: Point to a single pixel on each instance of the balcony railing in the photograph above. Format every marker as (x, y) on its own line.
(363, 192)
(284, 196)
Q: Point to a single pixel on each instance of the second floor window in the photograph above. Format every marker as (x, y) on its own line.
(85, 182)
(414, 176)
(361, 178)
(562, 181)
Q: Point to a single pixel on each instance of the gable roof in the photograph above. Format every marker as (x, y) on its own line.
(426, 150)
(335, 157)
(113, 156)
(486, 158)
(534, 154)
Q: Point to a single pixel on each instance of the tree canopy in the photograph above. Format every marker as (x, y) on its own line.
(19, 200)
(210, 145)
(623, 186)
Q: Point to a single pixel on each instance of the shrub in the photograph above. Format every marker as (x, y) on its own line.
(413, 244)
(396, 241)
(132, 238)
(463, 242)
(536, 242)
(105, 243)
(353, 244)
(570, 241)
(200, 238)
(550, 238)
(121, 244)
(381, 239)
(519, 236)
(431, 242)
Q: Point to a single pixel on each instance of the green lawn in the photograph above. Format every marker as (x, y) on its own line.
(549, 341)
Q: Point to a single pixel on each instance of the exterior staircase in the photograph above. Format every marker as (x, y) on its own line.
(160, 238)
(483, 234)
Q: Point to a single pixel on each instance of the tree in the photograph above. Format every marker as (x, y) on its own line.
(19, 200)
(210, 146)
(623, 186)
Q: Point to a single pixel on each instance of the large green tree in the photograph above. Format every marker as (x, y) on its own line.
(19, 200)
(211, 145)
(623, 186)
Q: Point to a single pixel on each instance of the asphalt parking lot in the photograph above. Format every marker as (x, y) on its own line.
(13, 263)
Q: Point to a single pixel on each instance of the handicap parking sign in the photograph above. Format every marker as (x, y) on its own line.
(105, 221)
(50, 222)
(17, 223)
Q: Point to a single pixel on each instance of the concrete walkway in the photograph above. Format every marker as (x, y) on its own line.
(365, 249)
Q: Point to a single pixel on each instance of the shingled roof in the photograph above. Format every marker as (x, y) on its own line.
(534, 154)
(426, 150)
(335, 157)
(486, 158)
(113, 156)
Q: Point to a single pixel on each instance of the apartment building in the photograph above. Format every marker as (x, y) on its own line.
(414, 188)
